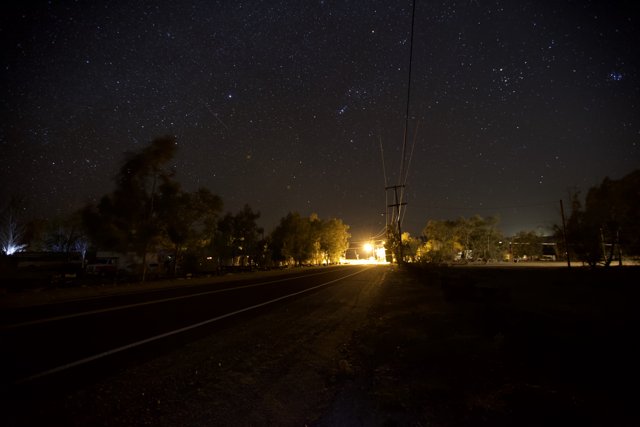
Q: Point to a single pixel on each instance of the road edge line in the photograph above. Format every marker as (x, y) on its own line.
(171, 333)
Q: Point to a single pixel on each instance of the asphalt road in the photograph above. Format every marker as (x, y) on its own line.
(64, 342)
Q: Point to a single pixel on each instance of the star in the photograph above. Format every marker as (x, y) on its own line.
(239, 83)
(615, 76)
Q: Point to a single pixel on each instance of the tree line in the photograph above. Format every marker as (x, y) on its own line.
(604, 228)
(460, 239)
(475, 239)
(149, 211)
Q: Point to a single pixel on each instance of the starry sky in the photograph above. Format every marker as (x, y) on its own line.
(300, 105)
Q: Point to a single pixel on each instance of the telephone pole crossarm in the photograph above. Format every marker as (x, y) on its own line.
(398, 228)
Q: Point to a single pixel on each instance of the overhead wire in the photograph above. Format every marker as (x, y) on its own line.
(485, 208)
(408, 104)
(439, 78)
(384, 174)
(406, 177)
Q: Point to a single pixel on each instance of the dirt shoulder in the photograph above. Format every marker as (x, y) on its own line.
(460, 347)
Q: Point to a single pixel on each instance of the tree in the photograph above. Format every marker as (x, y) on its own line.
(527, 245)
(484, 238)
(449, 240)
(316, 230)
(334, 240)
(309, 239)
(65, 235)
(249, 233)
(238, 237)
(582, 234)
(442, 241)
(188, 219)
(608, 223)
(411, 245)
(392, 242)
(614, 206)
(36, 231)
(292, 239)
(127, 219)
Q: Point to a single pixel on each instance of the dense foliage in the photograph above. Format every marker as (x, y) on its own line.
(309, 240)
(238, 240)
(474, 238)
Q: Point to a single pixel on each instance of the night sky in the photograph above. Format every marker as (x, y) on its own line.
(289, 105)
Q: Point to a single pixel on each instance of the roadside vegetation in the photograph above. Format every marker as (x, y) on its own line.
(601, 230)
(166, 231)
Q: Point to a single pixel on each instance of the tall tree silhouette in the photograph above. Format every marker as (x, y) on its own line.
(238, 237)
(188, 219)
(126, 219)
(608, 224)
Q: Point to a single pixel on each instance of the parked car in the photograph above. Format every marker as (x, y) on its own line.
(102, 267)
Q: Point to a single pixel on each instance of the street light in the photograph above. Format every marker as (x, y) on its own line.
(368, 247)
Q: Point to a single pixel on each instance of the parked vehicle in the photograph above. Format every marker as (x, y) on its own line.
(102, 267)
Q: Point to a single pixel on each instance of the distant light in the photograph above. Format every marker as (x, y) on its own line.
(11, 248)
(368, 247)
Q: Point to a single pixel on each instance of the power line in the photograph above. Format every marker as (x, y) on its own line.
(406, 115)
(406, 177)
(484, 208)
(384, 173)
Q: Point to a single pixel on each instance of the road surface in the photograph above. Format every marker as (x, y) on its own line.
(61, 348)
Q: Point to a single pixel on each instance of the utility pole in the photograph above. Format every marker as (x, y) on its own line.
(398, 228)
(564, 234)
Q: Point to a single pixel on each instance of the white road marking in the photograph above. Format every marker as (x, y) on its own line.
(157, 301)
(174, 332)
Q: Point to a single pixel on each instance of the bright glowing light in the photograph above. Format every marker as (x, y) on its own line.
(11, 248)
(368, 247)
